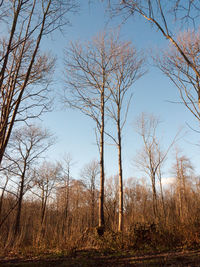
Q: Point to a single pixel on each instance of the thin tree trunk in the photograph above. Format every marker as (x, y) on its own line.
(154, 197)
(180, 204)
(4, 122)
(66, 205)
(43, 210)
(161, 192)
(7, 214)
(101, 195)
(93, 207)
(7, 132)
(120, 226)
(19, 208)
(162, 198)
(2, 196)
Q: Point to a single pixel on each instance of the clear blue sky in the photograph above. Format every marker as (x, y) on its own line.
(75, 132)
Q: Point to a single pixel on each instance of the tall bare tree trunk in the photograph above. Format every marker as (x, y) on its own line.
(65, 219)
(155, 208)
(120, 225)
(105, 70)
(101, 195)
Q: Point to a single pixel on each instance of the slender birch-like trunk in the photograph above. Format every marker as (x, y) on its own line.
(101, 195)
(120, 225)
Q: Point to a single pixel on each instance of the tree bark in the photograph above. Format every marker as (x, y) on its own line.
(155, 210)
(120, 225)
(65, 219)
(101, 195)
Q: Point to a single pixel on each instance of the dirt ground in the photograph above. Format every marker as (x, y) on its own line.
(94, 258)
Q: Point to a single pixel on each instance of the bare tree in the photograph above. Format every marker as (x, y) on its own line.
(112, 201)
(26, 146)
(66, 170)
(88, 70)
(90, 174)
(127, 68)
(182, 75)
(24, 71)
(182, 170)
(160, 14)
(151, 158)
(136, 198)
(46, 178)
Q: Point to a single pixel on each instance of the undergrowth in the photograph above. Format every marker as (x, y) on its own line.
(140, 237)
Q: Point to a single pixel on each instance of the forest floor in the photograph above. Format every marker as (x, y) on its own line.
(95, 258)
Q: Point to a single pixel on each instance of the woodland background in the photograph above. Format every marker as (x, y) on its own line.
(42, 205)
